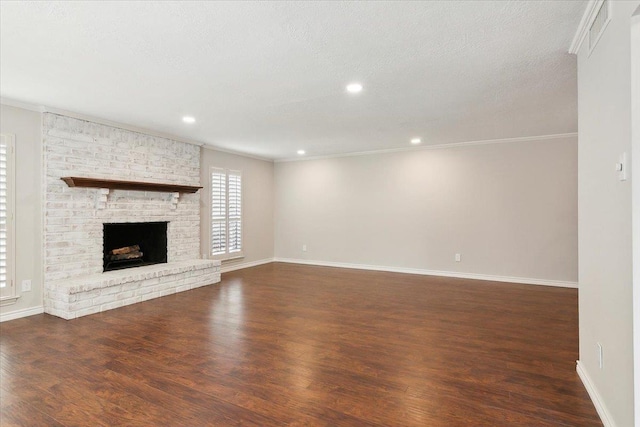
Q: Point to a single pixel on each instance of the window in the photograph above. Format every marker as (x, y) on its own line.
(226, 213)
(7, 282)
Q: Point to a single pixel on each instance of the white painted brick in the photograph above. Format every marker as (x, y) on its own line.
(149, 296)
(79, 305)
(89, 295)
(144, 290)
(88, 311)
(125, 295)
(59, 296)
(111, 290)
(73, 226)
(58, 305)
(183, 288)
(60, 313)
(111, 305)
(169, 291)
(52, 311)
(163, 286)
(131, 286)
(132, 300)
(103, 299)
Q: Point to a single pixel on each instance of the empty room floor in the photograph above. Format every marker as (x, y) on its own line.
(286, 344)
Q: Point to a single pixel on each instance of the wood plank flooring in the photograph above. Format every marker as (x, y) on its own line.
(281, 345)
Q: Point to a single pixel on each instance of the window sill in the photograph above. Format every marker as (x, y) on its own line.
(228, 257)
(8, 300)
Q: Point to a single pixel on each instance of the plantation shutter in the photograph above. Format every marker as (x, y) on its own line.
(7, 288)
(218, 211)
(226, 213)
(235, 211)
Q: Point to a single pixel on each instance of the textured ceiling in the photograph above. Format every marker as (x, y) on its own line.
(268, 78)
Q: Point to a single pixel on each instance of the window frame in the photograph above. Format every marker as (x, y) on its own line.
(226, 255)
(9, 294)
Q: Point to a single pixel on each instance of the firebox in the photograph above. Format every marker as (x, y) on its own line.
(134, 244)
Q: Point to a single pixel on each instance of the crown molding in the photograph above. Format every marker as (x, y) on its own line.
(435, 147)
(204, 145)
(21, 104)
(236, 153)
(583, 28)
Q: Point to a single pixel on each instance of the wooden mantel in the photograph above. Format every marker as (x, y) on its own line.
(112, 184)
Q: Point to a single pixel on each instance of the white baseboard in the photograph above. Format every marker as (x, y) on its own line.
(603, 412)
(487, 277)
(233, 267)
(17, 314)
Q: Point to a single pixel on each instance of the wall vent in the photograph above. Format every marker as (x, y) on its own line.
(599, 24)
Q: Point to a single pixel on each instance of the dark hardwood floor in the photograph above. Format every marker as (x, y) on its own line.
(295, 345)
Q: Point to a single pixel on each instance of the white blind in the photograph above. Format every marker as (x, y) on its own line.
(218, 211)
(226, 212)
(235, 211)
(6, 218)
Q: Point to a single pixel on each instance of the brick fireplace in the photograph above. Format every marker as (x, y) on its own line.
(74, 253)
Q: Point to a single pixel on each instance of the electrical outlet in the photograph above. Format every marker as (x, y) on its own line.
(304, 248)
(600, 360)
(26, 285)
(458, 258)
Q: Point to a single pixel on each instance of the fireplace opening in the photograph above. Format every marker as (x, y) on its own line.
(134, 244)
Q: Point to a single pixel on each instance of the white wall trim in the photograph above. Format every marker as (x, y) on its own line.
(635, 201)
(583, 28)
(598, 402)
(233, 267)
(17, 314)
(236, 153)
(435, 147)
(21, 104)
(459, 275)
(124, 126)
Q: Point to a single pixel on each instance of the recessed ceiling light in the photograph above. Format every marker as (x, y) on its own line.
(354, 87)
(416, 140)
(301, 152)
(188, 119)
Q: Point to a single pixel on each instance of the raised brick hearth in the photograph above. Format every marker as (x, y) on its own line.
(71, 298)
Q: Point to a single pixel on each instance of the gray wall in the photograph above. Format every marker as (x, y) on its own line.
(509, 209)
(257, 177)
(604, 105)
(26, 126)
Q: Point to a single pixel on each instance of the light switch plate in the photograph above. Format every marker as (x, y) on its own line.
(623, 167)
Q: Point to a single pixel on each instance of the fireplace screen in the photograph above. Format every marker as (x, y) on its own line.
(134, 244)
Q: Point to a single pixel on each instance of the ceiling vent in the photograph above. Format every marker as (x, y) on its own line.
(599, 24)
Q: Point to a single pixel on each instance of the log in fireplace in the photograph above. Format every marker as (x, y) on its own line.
(134, 244)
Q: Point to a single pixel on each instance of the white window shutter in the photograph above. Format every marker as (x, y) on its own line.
(3, 214)
(218, 211)
(226, 213)
(7, 287)
(235, 211)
